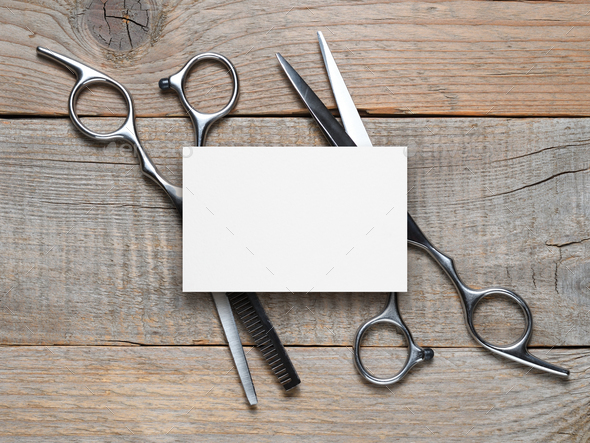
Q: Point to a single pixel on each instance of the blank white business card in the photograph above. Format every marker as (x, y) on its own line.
(294, 219)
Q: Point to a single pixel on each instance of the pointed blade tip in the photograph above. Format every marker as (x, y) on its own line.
(284, 63)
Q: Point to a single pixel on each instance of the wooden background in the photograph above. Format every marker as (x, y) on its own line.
(98, 342)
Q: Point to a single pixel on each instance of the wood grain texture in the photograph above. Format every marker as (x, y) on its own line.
(400, 57)
(178, 393)
(91, 250)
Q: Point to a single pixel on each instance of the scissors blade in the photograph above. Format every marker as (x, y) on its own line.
(235, 344)
(333, 131)
(350, 117)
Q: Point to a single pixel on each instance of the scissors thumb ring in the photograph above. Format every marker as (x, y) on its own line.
(416, 354)
(202, 121)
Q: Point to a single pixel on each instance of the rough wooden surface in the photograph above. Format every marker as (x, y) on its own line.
(400, 57)
(179, 393)
(92, 250)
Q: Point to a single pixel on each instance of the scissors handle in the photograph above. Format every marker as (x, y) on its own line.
(470, 298)
(391, 316)
(202, 121)
(126, 132)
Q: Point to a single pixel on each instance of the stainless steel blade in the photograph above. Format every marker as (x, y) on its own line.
(350, 117)
(235, 344)
(333, 131)
(250, 311)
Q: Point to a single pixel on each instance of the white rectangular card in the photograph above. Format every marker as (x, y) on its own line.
(318, 219)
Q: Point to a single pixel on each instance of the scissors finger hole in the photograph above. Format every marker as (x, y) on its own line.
(209, 84)
(383, 361)
(499, 319)
(101, 99)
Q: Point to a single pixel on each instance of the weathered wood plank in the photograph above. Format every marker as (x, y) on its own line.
(176, 392)
(448, 57)
(91, 250)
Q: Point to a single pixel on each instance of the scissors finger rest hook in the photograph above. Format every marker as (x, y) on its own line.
(470, 298)
(128, 132)
(339, 136)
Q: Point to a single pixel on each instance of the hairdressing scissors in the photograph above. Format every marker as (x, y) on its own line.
(201, 122)
(355, 134)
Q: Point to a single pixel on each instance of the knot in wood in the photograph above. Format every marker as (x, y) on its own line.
(119, 25)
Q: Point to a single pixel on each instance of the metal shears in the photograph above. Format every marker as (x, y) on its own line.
(201, 122)
(354, 134)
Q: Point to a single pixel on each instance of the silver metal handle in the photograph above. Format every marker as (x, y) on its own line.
(391, 316)
(127, 132)
(470, 298)
(202, 121)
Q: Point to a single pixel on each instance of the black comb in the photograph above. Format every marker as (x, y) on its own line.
(253, 316)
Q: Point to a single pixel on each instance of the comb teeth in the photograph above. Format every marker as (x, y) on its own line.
(251, 312)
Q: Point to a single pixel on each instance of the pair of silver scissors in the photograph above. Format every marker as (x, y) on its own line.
(355, 134)
(128, 133)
